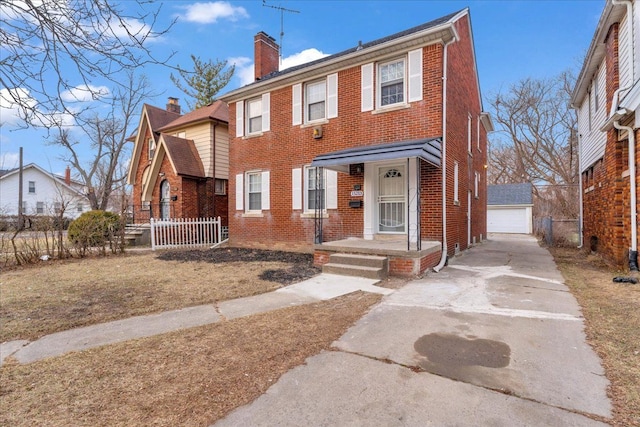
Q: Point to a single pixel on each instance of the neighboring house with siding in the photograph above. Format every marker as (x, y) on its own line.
(351, 149)
(607, 100)
(510, 208)
(43, 193)
(180, 163)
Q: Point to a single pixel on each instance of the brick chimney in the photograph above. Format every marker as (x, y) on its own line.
(173, 106)
(266, 55)
(67, 176)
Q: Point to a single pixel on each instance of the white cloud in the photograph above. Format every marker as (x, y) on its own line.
(129, 26)
(209, 13)
(10, 113)
(245, 66)
(84, 93)
(9, 160)
(244, 69)
(303, 57)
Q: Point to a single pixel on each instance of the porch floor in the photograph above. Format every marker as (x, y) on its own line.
(386, 247)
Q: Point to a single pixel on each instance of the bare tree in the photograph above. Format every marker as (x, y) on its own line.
(106, 139)
(536, 140)
(204, 82)
(536, 133)
(54, 52)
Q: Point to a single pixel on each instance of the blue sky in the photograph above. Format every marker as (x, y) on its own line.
(513, 39)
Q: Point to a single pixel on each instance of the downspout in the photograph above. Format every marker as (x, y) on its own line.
(633, 251)
(616, 94)
(215, 125)
(580, 219)
(443, 257)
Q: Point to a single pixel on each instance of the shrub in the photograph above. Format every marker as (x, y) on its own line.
(95, 229)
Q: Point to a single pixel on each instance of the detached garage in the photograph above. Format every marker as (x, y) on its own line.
(510, 208)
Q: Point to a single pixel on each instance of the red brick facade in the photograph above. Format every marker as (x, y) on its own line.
(285, 147)
(606, 184)
(189, 196)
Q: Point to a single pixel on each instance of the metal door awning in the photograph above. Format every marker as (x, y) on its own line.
(429, 150)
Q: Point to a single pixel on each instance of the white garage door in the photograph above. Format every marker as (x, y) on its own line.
(507, 220)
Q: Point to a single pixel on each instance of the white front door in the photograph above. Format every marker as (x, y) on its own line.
(392, 199)
(164, 199)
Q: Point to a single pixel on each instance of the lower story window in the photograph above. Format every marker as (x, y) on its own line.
(40, 207)
(221, 187)
(315, 189)
(254, 187)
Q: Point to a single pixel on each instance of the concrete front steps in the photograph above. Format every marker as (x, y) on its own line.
(358, 265)
(137, 234)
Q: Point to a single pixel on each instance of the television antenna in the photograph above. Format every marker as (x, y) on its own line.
(282, 11)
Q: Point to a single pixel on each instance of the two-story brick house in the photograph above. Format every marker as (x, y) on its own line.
(180, 163)
(380, 149)
(607, 100)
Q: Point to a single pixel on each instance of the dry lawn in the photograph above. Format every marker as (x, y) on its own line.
(191, 378)
(612, 313)
(47, 298)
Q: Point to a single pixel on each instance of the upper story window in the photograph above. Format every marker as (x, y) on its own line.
(182, 134)
(397, 82)
(32, 187)
(254, 116)
(314, 100)
(596, 99)
(391, 85)
(152, 147)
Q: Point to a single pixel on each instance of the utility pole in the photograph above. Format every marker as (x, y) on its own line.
(282, 11)
(20, 218)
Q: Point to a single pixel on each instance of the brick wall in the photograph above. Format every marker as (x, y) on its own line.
(606, 197)
(285, 147)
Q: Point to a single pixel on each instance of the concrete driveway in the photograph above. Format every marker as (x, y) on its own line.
(494, 339)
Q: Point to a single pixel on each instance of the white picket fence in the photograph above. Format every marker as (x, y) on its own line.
(185, 233)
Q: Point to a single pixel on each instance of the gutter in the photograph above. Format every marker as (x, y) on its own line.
(443, 257)
(633, 251)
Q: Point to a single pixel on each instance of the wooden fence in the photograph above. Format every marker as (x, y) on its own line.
(185, 233)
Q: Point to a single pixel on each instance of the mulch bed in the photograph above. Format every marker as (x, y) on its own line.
(300, 264)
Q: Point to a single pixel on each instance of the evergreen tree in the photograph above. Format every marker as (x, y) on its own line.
(204, 82)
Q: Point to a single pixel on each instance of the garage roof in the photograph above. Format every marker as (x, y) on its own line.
(510, 194)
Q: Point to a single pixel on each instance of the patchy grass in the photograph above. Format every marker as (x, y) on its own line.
(612, 314)
(191, 377)
(47, 298)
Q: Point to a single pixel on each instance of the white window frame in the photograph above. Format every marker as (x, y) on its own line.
(79, 207)
(478, 133)
(57, 207)
(182, 134)
(249, 103)
(379, 82)
(32, 187)
(24, 207)
(220, 183)
(249, 192)
(306, 198)
(469, 126)
(476, 184)
(456, 198)
(39, 207)
(152, 147)
(307, 97)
